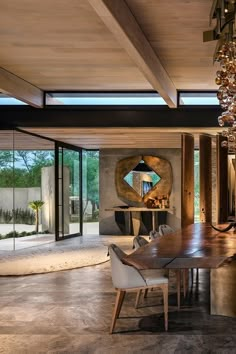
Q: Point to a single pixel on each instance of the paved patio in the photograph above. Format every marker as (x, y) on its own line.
(10, 244)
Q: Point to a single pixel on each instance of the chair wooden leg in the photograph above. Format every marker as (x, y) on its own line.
(138, 296)
(145, 293)
(119, 301)
(197, 276)
(165, 301)
(120, 304)
(185, 281)
(178, 285)
(192, 276)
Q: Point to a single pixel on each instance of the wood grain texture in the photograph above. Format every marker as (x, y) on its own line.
(187, 200)
(58, 45)
(120, 21)
(105, 138)
(61, 45)
(128, 194)
(175, 31)
(222, 180)
(195, 246)
(16, 87)
(223, 288)
(10, 139)
(205, 178)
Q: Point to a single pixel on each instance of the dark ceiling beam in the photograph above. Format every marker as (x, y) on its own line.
(26, 116)
(15, 87)
(120, 21)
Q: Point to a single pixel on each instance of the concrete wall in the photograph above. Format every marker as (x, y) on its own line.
(22, 196)
(48, 196)
(109, 198)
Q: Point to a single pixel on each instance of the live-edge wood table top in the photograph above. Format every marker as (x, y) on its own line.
(196, 246)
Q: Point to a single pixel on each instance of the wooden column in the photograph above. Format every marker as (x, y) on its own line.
(205, 178)
(187, 200)
(222, 180)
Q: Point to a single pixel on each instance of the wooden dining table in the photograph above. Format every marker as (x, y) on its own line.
(196, 246)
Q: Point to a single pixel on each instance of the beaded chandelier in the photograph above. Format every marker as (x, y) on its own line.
(224, 12)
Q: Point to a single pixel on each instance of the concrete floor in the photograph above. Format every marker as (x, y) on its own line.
(70, 312)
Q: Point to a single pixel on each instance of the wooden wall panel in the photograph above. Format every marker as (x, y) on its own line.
(222, 180)
(187, 202)
(205, 178)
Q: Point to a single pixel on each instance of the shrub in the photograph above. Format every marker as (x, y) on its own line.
(23, 233)
(7, 216)
(18, 216)
(24, 216)
(12, 234)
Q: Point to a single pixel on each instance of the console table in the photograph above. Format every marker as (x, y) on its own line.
(135, 215)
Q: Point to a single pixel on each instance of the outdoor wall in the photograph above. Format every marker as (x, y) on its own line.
(48, 196)
(109, 198)
(22, 197)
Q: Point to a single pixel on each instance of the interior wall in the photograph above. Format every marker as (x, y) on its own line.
(108, 195)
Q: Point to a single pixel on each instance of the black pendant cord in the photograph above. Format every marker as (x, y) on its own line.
(227, 228)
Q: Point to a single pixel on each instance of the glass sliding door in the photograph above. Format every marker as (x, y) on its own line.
(7, 226)
(26, 208)
(68, 191)
(90, 192)
(33, 190)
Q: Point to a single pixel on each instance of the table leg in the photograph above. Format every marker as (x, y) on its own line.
(154, 226)
(136, 221)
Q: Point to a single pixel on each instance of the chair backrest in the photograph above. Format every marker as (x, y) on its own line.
(154, 235)
(165, 229)
(139, 241)
(123, 276)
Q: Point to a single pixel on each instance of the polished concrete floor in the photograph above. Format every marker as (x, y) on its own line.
(70, 312)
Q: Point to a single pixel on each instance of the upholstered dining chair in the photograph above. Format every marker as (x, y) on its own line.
(139, 241)
(165, 229)
(127, 278)
(153, 235)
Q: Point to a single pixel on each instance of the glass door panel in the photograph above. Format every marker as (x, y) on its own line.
(69, 192)
(34, 189)
(90, 192)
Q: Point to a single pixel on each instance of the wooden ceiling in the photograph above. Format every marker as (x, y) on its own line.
(87, 45)
(10, 140)
(115, 138)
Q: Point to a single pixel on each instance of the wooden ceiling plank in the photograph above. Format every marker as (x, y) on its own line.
(119, 19)
(16, 87)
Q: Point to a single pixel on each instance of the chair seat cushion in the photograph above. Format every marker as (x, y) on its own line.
(154, 276)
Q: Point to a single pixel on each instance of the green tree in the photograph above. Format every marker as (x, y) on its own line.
(93, 179)
(36, 205)
(27, 167)
(6, 159)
